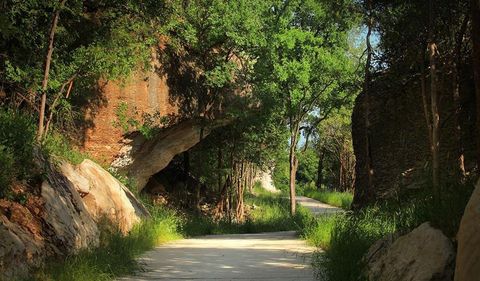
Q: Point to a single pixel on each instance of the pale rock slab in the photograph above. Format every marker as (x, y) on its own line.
(109, 198)
(425, 254)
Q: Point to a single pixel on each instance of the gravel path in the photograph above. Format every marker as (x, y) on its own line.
(264, 256)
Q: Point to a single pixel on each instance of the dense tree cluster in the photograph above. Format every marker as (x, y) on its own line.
(266, 65)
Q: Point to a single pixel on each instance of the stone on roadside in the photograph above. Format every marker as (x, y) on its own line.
(425, 254)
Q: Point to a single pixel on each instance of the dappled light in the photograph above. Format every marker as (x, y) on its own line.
(272, 256)
(240, 140)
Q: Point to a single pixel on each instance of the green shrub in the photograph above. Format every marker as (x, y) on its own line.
(17, 135)
(352, 234)
(56, 144)
(318, 232)
(7, 171)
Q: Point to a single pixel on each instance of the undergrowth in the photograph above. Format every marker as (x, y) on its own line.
(58, 146)
(347, 237)
(17, 135)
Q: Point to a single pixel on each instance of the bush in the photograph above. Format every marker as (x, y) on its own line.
(8, 170)
(318, 232)
(55, 144)
(17, 136)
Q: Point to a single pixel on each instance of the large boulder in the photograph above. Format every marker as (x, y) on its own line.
(425, 254)
(65, 214)
(104, 196)
(468, 252)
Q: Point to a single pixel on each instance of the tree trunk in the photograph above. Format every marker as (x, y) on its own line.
(457, 61)
(426, 112)
(476, 67)
(46, 73)
(435, 145)
(320, 170)
(293, 167)
(340, 173)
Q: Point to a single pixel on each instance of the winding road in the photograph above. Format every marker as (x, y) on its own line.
(264, 256)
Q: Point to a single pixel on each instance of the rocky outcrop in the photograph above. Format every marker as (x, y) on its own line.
(398, 136)
(53, 221)
(468, 252)
(20, 247)
(62, 216)
(143, 158)
(425, 254)
(104, 196)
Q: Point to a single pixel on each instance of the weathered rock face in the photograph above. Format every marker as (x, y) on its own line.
(105, 196)
(143, 158)
(143, 93)
(61, 217)
(398, 136)
(19, 247)
(52, 222)
(425, 254)
(468, 252)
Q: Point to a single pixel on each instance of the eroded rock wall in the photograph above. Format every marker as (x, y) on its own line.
(142, 93)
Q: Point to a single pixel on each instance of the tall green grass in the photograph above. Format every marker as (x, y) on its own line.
(346, 238)
(318, 231)
(334, 198)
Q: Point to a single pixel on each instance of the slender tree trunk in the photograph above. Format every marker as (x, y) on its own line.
(46, 73)
(457, 61)
(432, 49)
(320, 169)
(55, 102)
(426, 112)
(476, 67)
(340, 172)
(293, 166)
